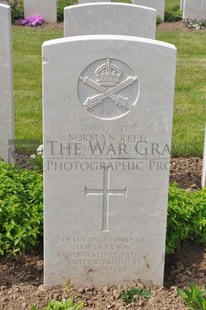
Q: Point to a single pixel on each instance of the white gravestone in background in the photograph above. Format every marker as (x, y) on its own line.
(194, 9)
(107, 137)
(87, 1)
(181, 5)
(45, 8)
(203, 181)
(109, 18)
(6, 83)
(158, 5)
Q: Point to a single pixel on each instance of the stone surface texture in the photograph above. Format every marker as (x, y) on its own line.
(194, 9)
(106, 161)
(109, 18)
(181, 5)
(158, 5)
(45, 8)
(6, 85)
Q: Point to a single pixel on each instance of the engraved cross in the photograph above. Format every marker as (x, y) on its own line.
(105, 192)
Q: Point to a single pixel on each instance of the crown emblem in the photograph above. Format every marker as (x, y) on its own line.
(108, 74)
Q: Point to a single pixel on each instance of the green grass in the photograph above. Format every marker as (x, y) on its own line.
(172, 5)
(28, 82)
(190, 94)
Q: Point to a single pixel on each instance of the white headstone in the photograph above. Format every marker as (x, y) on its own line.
(181, 5)
(194, 9)
(203, 181)
(45, 8)
(109, 18)
(107, 135)
(6, 83)
(158, 5)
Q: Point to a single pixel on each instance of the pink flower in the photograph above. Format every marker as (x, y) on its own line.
(32, 21)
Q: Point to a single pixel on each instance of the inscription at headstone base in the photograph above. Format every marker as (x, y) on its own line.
(109, 18)
(194, 9)
(107, 138)
(6, 85)
(45, 8)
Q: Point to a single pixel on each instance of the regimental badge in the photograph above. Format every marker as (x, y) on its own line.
(108, 89)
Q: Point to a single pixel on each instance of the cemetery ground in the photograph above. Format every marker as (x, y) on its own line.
(21, 277)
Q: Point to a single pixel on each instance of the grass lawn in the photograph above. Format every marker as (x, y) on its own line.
(190, 94)
(28, 83)
(172, 5)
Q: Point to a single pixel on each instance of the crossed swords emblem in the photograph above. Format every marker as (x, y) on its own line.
(93, 101)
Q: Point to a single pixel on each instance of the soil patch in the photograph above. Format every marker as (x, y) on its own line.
(186, 172)
(59, 26)
(175, 26)
(21, 284)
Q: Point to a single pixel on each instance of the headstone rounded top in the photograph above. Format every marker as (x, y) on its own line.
(93, 4)
(108, 37)
(4, 6)
(109, 18)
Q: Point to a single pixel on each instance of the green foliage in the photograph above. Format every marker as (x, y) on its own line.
(65, 304)
(172, 5)
(36, 160)
(172, 16)
(60, 8)
(197, 24)
(21, 216)
(21, 208)
(172, 11)
(17, 9)
(37, 163)
(202, 23)
(194, 297)
(186, 217)
(132, 293)
(158, 20)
